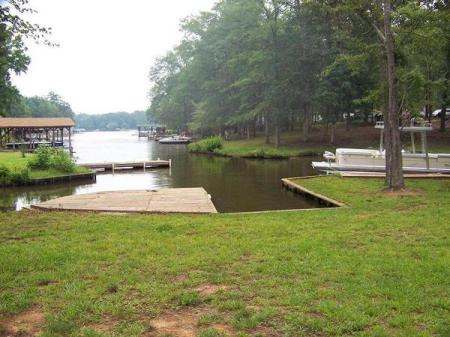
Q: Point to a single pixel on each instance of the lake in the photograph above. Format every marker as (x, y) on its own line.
(235, 184)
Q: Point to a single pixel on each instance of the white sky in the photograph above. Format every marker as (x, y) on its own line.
(106, 50)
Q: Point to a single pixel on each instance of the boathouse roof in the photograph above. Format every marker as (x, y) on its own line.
(36, 122)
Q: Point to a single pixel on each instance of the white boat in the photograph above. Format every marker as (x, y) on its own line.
(367, 160)
(175, 140)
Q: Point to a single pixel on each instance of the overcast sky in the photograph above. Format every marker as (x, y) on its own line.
(106, 50)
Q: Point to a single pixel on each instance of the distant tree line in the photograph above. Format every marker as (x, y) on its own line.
(51, 105)
(111, 121)
(274, 65)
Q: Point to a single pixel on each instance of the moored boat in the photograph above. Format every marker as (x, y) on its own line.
(368, 160)
(175, 140)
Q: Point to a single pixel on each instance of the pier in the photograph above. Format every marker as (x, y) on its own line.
(169, 200)
(131, 165)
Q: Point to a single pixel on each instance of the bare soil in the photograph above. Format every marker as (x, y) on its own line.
(210, 289)
(25, 324)
(184, 323)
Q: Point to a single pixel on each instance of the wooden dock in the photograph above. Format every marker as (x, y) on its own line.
(170, 200)
(132, 165)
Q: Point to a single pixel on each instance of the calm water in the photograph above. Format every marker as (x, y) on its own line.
(234, 184)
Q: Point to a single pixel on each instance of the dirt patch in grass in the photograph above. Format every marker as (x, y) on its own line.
(25, 324)
(210, 289)
(181, 278)
(184, 323)
(106, 324)
(266, 332)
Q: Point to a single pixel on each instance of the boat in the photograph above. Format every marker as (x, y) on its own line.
(175, 139)
(373, 160)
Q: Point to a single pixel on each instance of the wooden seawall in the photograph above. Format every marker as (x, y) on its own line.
(321, 199)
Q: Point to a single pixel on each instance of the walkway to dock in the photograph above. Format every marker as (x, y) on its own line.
(132, 165)
(170, 200)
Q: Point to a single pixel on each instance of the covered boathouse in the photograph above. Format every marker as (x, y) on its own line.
(29, 133)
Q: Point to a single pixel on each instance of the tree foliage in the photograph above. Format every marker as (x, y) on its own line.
(251, 64)
(51, 105)
(13, 58)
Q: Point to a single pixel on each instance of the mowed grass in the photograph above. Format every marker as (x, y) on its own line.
(256, 147)
(292, 145)
(16, 162)
(378, 268)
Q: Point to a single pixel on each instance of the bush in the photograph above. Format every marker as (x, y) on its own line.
(210, 144)
(9, 177)
(42, 159)
(47, 157)
(4, 175)
(61, 161)
(20, 177)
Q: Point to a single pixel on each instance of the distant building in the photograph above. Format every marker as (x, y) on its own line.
(28, 133)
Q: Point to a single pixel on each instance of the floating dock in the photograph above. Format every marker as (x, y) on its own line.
(132, 165)
(170, 200)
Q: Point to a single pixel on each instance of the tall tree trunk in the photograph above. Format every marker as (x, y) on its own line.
(443, 117)
(445, 98)
(333, 133)
(394, 169)
(266, 129)
(325, 131)
(348, 121)
(277, 136)
(428, 108)
(306, 121)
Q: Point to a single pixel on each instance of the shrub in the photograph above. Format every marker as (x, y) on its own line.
(61, 161)
(213, 143)
(210, 144)
(47, 157)
(20, 177)
(4, 175)
(42, 159)
(10, 177)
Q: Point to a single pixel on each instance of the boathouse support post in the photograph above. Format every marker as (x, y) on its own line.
(381, 140)
(425, 148)
(412, 143)
(70, 141)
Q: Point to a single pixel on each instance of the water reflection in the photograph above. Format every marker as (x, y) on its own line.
(235, 184)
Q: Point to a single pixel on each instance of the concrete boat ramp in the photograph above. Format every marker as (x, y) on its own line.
(170, 200)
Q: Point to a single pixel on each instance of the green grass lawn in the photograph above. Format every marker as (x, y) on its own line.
(257, 148)
(15, 162)
(292, 145)
(378, 268)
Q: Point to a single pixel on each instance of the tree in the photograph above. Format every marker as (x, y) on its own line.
(393, 153)
(13, 58)
(274, 64)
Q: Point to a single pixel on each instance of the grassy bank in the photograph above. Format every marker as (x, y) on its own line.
(256, 148)
(17, 164)
(379, 268)
(292, 145)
